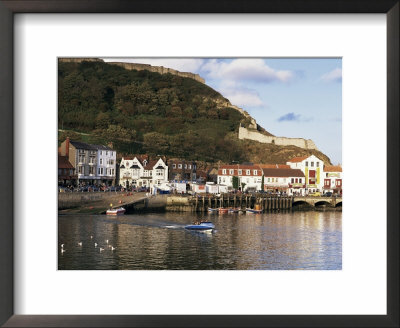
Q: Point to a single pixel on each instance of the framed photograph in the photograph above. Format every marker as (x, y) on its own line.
(183, 165)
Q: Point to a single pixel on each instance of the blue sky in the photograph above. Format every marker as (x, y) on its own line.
(290, 97)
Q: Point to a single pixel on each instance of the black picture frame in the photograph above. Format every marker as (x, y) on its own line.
(10, 7)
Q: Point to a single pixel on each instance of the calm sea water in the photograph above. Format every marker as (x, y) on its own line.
(273, 241)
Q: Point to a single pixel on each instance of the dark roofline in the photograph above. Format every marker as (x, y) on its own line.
(83, 145)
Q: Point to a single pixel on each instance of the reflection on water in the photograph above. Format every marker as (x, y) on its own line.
(284, 241)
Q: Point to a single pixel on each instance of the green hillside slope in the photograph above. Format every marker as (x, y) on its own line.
(148, 112)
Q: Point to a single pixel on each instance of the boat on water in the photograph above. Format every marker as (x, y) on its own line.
(233, 210)
(253, 211)
(223, 210)
(116, 211)
(203, 226)
(212, 210)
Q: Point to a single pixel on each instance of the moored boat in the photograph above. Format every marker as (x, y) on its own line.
(203, 226)
(253, 211)
(233, 210)
(223, 210)
(212, 210)
(116, 211)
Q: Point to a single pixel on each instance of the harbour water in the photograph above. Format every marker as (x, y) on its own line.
(309, 240)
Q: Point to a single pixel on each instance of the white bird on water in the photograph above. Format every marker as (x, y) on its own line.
(91, 237)
(107, 241)
(62, 245)
(95, 244)
(113, 248)
(101, 249)
(80, 243)
(62, 250)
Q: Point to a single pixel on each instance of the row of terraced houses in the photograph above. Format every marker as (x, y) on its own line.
(81, 163)
(300, 175)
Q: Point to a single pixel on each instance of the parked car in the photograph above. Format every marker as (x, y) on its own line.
(328, 194)
(316, 194)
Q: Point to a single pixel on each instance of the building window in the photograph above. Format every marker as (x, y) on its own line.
(292, 180)
(231, 172)
(317, 164)
(80, 169)
(224, 171)
(306, 163)
(91, 170)
(174, 166)
(247, 172)
(179, 166)
(268, 180)
(101, 161)
(312, 164)
(240, 172)
(254, 172)
(190, 166)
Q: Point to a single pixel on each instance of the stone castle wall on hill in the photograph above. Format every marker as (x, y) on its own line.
(159, 69)
(139, 67)
(280, 141)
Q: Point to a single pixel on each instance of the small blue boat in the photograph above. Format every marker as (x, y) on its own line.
(203, 226)
(212, 210)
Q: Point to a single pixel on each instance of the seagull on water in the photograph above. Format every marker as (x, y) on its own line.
(62, 245)
(95, 244)
(62, 250)
(107, 241)
(80, 243)
(113, 248)
(101, 249)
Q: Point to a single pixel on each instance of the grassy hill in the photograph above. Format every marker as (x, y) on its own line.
(148, 112)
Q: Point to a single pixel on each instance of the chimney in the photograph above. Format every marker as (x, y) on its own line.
(67, 147)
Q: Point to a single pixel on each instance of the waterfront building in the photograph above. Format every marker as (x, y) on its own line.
(85, 159)
(291, 181)
(333, 179)
(249, 176)
(106, 165)
(66, 172)
(141, 171)
(180, 169)
(312, 167)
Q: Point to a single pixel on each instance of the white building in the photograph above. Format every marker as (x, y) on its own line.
(291, 181)
(249, 176)
(106, 164)
(139, 171)
(333, 181)
(312, 167)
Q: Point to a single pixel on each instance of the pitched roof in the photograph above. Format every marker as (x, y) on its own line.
(298, 159)
(274, 166)
(83, 145)
(283, 173)
(63, 162)
(332, 168)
